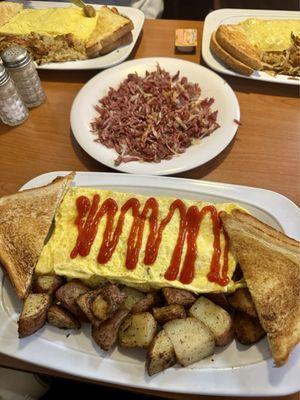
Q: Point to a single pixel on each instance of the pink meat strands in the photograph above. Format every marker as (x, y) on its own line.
(153, 118)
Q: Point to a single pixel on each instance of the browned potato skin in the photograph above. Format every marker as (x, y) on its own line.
(67, 295)
(160, 354)
(85, 300)
(105, 333)
(219, 299)
(147, 303)
(47, 283)
(241, 300)
(61, 318)
(29, 325)
(179, 296)
(113, 296)
(247, 330)
(165, 314)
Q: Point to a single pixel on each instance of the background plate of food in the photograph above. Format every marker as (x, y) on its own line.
(199, 332)
(254, 44)
(60, 36)
(155, 116)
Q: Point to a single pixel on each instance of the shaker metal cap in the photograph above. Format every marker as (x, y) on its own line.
(15, 56)
(3, 75)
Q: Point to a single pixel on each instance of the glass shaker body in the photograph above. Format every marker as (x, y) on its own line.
(12, 109)
(22, 70)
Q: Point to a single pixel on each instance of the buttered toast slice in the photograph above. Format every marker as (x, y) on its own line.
(110, 27)
(270, 262)
(232, 62)
(25, 220)
(8, 10)
(234, 41)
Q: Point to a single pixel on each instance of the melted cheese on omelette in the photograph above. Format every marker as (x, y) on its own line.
(270, 35)
(51, 21)
(55, 257)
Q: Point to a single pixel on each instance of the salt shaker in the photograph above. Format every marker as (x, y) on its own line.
(12, 109)
(22, 69)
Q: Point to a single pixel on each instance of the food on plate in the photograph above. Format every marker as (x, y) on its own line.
(105, 333)
(247, 330)
(270, 262)
(160, 354)
(178, 296)
(62, 318)
(137, 330)
(241, 300)
(65, 34)
(192, 340)
(167, 313)
(137, 306)
(34, 313)
(67, 295)
(153, 117)
(215, 318)
(127, 248)
(47, 283)
(257, 44)
(25, 220)
(8, 10)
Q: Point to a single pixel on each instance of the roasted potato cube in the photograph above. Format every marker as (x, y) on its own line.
(34, 313)
(100, 308)
(113, 296)
(105, 333)
(167, 313)
(137, 330)
(192, 340)
(67, 295)
(132, 297)
(85, 300)
(215, 318)
(160, 354)
(241, 300)
(178, 296)
(247, 330)
(61, 318)
(147, 303)
(47, 283)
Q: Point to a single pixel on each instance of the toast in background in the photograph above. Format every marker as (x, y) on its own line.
(8, 10)
(110, 27)
(271, 266)
(232, 62)
(25, 220)
(234, 41)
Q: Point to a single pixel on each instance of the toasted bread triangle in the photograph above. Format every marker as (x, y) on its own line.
(270, 262)
(25, 220)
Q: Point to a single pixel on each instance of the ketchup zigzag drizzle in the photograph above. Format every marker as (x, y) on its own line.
(91, 213)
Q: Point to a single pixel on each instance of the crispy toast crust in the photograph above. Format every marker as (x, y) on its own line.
(95, 45)
(271, 265)
(25, 220)
(228, 59)
(232, 39)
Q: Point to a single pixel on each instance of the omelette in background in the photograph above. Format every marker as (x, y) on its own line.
(55, 257)
(270, 35)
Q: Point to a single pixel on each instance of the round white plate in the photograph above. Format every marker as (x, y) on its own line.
(83, 112)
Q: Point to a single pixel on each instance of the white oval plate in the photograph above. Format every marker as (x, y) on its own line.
(82, 113)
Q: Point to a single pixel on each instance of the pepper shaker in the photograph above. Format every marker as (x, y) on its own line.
(22, 70)
(12, 109)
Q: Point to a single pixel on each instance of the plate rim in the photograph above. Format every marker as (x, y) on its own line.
(132, 166)
(232, 380)
(213, 20)
(63, 66)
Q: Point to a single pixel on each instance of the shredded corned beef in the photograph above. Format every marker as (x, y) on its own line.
(153, 118)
